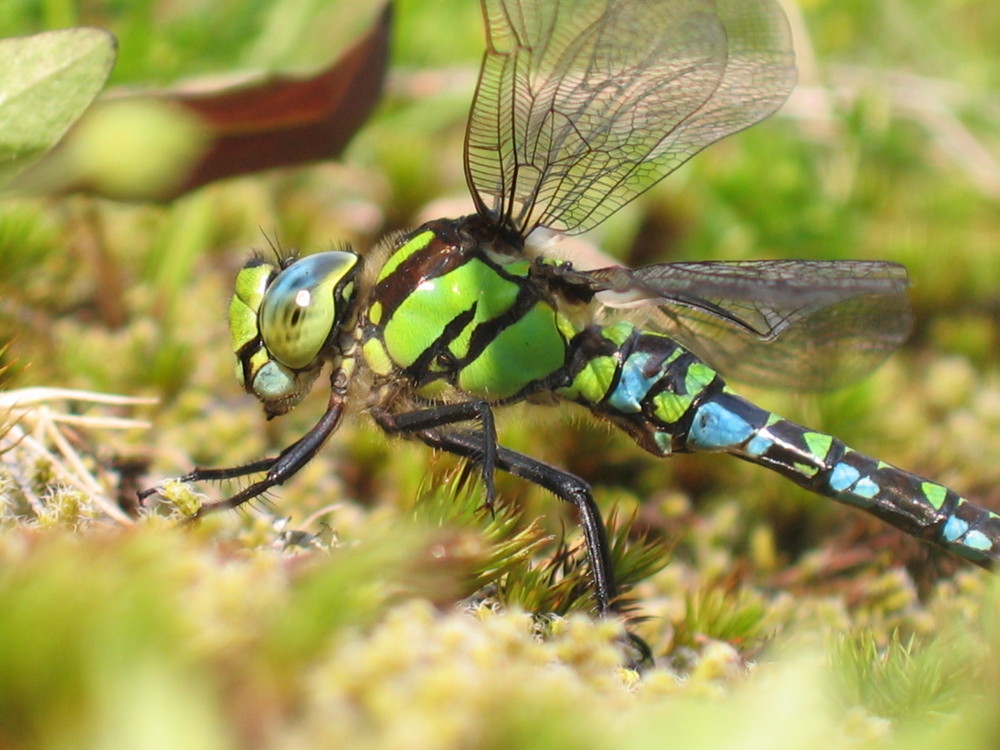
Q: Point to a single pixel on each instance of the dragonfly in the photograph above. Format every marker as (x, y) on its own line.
(581, 106)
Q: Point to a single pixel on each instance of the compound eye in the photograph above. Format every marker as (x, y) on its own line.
(302, 306)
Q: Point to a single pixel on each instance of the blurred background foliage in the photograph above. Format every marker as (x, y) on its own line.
(338, 624)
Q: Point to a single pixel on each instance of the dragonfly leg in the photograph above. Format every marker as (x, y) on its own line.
(562, 484)
(414, 422)
(483, 446)
(279, 468)
(199, 474)
(567, 487)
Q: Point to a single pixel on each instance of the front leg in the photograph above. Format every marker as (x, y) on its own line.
(279, 468)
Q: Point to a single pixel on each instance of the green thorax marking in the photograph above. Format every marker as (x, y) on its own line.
(446, 308)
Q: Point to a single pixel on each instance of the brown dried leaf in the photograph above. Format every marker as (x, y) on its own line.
(161, 145)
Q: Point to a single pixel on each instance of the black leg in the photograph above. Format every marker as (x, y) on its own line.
(482, 446)
(414, 422)
(279, 468)
(563, 485)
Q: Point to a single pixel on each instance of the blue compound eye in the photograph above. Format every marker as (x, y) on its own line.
(301, 307)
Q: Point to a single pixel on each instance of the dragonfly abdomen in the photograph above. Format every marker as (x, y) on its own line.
(644, 382)
(671, 402)
(825, 465)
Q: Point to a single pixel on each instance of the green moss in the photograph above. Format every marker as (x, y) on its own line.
(372, 602)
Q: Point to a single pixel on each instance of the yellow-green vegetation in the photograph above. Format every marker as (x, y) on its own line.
(372, 603)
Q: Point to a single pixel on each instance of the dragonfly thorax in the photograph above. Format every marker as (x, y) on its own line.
(457, 306)
(285, 320)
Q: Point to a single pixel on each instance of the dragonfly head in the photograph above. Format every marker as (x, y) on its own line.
(285, 321)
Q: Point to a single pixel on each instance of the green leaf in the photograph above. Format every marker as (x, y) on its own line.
(49, 80)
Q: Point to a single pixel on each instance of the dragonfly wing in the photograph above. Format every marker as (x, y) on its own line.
(582, 105)
(785, 323)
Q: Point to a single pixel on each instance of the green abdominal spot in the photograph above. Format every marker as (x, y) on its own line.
(592, 383)
(818, 443)
(670, 407)
(935, 494)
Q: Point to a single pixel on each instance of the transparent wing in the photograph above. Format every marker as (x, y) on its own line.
(785, 323)
(584, 104)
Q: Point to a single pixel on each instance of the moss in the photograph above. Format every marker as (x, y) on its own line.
(372, 602)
